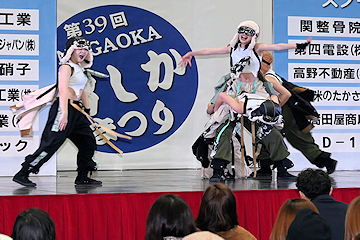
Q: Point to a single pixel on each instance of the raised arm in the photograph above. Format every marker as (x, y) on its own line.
(186, 59)
(260, 47)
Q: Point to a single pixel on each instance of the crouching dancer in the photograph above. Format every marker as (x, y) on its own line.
(64, 121)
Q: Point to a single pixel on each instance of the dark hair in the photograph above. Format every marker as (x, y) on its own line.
(169, 215)
(313, 182)
(217, 209)
(33, 224)
(237, 44)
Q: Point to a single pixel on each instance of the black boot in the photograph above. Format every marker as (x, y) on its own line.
(282, 167)
(218, 166)
(324, 160)
(265, 169)
(22, 177)
(83, 178)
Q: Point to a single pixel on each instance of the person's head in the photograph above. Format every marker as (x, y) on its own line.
(217, 209)
(313, 182)
(309, 225)
(267, 59)
(77, 49)
(352, 220)
(34, 224)
(286, 215)
(247, 33)
(169, 215)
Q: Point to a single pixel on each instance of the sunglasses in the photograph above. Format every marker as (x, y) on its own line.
(247, 30)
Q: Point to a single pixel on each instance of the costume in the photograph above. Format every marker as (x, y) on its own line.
(334, 212)
(242, 61)
(77, 129)
(253, 65)
(33, 103)
(269, 136)
(297, 126)
(237, 233)
(222, 123)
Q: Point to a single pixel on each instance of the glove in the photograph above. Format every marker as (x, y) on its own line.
(87, 110)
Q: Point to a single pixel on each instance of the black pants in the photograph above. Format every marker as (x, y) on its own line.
(77, 130)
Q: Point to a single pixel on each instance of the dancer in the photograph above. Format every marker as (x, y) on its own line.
(64, 121)
(246, 55)
(294, 118)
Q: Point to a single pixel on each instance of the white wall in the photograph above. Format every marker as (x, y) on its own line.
(204, 24)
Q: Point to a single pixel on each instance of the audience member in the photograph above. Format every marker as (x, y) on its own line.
(34, 224)
(352, 221)
(217, 214)
(286, 215)
(315, 184)
(169, 217)
(309, 225)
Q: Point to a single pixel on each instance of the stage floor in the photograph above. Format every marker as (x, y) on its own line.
(133, 181)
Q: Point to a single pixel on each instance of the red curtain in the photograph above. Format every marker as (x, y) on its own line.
(123, 215)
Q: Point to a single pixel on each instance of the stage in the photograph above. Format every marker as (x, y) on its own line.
(118, 208)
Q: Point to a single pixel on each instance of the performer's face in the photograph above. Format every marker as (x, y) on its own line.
(244, 38)
(246, 34)
(79, 55)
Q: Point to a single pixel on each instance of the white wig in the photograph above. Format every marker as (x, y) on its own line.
(87, 63)
(250, 24)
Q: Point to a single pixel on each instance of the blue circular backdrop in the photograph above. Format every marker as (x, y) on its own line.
(179, 99)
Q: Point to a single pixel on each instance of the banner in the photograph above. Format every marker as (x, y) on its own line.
(27, 63)
(139, 44)
(148, 95)
(330, 67)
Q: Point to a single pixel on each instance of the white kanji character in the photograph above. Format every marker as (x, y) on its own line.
(143, 123)
(165, 123)
(116, 84)
(73, 30)
(330, 2)
(346, 4)
(153, 66)
(118, 19)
